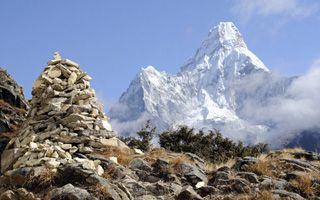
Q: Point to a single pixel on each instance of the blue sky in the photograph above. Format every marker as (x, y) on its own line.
(112, 40)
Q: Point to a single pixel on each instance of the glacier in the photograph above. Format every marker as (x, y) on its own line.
(218, 88)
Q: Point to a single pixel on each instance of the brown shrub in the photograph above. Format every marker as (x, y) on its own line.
(44, 179)
(303, 184)
(261, 168)
(124, 156)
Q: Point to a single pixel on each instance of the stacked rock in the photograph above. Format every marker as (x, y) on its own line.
(65, 121)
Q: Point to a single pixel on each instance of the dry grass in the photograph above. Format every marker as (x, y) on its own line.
(42, 180)
(174, 159)
(285, 153)
(124, 155)
(101, 192)
(303, 184)
(262, 167)
(264, 195)
(209, 167)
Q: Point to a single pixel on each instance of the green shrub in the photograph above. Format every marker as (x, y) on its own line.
(212, 145)
(144, 138)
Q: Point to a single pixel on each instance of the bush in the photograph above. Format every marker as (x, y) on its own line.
(144, 140)
(211, 146)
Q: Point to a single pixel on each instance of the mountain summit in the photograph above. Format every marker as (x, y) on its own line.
(210, 91)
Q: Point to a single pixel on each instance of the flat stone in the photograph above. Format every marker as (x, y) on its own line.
(72, 78)
(53, 164)
(54, 73)
(10, 156)
(114, 142)
(70, 63)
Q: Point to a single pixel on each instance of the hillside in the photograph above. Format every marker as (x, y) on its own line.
(65, 148)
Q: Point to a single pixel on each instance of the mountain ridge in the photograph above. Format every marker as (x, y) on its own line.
(210, 91)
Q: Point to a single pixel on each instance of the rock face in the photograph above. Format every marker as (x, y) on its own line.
(64, 118)
(13, 108)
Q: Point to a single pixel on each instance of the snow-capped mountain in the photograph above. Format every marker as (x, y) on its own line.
(215, 89)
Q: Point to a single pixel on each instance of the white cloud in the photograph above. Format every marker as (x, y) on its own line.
(295, 111)
(246, 9)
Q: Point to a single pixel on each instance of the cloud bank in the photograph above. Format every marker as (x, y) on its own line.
(289, 114)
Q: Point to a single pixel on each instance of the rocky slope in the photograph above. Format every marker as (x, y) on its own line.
(215, 89)
(13, 108)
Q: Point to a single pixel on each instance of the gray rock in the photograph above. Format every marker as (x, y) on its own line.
(251, 177)
(159, 189)
(284, 193)
(192, 173)
(241, 186)
(135, 188)
(188, 193)
(140, 164)
(69, 192)
(278, 184)
(242, 162)
(161, 165)
(197, 160)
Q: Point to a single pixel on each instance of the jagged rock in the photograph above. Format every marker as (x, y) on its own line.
(241, 163)
(140, 164)
(251, 177)
(192, 173)
(197, 160)
(241, 186)
(13, 108)
(188, 193)
(135, 188)
(18, 194)
(69, 192)
(9, 157)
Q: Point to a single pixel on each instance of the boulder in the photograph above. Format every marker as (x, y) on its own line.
(69, 192)
(140, 164)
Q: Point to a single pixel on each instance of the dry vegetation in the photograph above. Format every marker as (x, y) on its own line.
(264, 195)
(303, 184)
(124, 156)
(101, 192)
(44, 179)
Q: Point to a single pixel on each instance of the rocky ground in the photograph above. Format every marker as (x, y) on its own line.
(64, 148)
(158, 174)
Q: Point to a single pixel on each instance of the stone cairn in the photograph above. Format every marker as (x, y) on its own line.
(65, 121)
